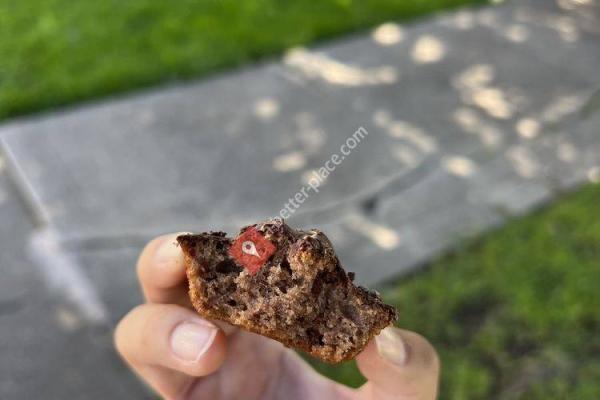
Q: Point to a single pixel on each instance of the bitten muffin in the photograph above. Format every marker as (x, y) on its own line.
(285, 284)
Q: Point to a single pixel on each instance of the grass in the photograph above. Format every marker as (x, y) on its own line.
(56, 52)
(517, 314)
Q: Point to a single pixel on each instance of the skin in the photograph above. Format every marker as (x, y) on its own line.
(236, 364)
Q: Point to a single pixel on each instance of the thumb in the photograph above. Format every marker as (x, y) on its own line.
(399, 364)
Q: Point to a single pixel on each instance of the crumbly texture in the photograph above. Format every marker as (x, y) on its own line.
(301, 296)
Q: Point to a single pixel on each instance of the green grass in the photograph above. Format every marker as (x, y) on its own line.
(55, 52)
(517, 314)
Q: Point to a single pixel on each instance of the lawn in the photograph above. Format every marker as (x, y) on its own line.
(515, 314)
(55, 52)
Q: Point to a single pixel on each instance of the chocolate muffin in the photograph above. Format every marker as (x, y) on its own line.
(285, 284)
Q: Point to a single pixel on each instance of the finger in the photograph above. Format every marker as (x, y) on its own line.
(168, 344)
(399, 364)
(161, 272)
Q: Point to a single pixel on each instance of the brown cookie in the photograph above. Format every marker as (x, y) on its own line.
(285, 284)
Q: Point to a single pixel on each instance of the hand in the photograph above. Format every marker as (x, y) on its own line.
(183, 356)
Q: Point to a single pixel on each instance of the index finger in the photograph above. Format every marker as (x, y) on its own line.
(161, 271)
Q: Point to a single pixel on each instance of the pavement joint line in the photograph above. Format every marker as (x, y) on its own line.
(24, 187)
(393, 185)
(63, 274)
(60, 270)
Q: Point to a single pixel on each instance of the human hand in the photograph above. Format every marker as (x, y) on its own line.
(183, 356)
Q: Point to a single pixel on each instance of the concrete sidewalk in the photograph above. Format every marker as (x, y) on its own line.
(472, 118)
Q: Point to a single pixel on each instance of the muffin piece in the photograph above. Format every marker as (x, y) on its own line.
(285, 284)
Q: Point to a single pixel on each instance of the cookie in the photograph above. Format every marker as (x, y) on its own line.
(284, 284)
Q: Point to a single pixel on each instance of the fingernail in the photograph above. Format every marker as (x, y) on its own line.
(190, 340)
(392, 347)
(168, 252)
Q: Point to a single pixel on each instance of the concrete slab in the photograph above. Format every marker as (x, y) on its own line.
(47, 350)
(233, 149)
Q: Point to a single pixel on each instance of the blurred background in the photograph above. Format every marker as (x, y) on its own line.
(471, 202)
